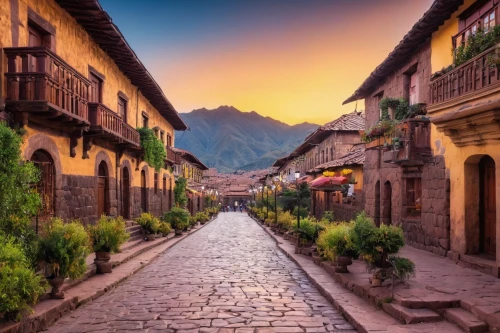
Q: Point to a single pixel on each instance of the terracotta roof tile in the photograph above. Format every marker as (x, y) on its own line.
(355, 157)
(354, 121)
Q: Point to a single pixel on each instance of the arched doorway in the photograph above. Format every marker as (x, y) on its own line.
(487, 206)
(125, 193)
(376, 216)
(102, 190)
(170, 194)
(46, 185)
(144, 192)
(387, 204)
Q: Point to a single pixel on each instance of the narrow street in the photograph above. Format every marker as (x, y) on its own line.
(228, 277)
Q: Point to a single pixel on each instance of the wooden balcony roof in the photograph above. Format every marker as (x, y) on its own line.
(92, 17)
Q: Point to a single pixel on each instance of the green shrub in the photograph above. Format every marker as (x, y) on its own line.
(404, 268)
(376, 244)
(329, 216)
(303, 212)
(309, 228)
(285, 220)
(148, 222)
(19, 200)
(108, 234)
(336, 241)
(177, 217)
(180, 196)
(65, 247)
(164, 228)
(154, 150)
(20, 287)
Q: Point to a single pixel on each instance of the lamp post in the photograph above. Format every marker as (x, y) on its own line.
(275, 188)
(297, 176)
(267, 201)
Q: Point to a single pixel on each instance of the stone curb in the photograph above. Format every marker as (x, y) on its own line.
(361, 315)
(48, 311)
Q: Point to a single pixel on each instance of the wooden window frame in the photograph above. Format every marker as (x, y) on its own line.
(473, 18)
(156, 183)
(413, 196)
(169, 140)
(145, 119)
(122, 97)
(164, 186)
(44, 27)
(101, 78)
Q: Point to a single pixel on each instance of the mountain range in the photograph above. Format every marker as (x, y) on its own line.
(230, 140)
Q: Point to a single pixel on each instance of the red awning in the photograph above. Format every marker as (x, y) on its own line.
(328, 181)
(304, 179)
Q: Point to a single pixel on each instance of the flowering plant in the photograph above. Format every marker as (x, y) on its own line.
(346, 172)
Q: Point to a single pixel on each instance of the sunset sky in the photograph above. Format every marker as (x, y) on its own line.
(292, 60)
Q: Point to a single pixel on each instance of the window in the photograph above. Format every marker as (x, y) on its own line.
(164, 186)
(122, 108)
(145, 121)
(331, 154)
(157, 131)
(162, 137)
(156, 183)
(413, 196)
(95, 88)
(478, 16)
(322, 156)
(413, 91)
(169, 140)
(377, 99)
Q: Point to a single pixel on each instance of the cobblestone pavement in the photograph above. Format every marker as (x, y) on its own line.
(229, 277)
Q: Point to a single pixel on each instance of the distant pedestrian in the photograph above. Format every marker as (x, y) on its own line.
(235, 206)
(241, 208)
(228, 208)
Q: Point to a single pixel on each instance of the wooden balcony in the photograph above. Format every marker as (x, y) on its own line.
(172, 157)
(465, 101)
(414, 147)
(104, 122)
(470, 79)
(130, 136)
(44, 88)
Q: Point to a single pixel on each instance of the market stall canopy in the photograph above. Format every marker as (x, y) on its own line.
(329, 181)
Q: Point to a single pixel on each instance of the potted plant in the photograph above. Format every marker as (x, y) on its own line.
(164, 228)
(376, 244)
(106, 236)
(178, 218)
(64, 247)
(149, 225)
(335, 243)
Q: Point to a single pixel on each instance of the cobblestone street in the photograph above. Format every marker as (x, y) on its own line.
(228, 277)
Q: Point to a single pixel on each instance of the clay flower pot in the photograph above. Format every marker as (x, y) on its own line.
(375, 280)
(342, 263)
(178, 232)
(150, 237)
(56, 283)
(102, 262)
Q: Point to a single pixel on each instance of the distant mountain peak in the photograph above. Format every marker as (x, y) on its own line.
(234, 140)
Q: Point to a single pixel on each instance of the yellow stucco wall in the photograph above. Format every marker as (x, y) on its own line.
(441, 43)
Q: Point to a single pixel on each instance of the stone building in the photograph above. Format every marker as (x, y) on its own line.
(406, 181)
(78, 90)
(463, 108)
(191, 168)
(328, 143)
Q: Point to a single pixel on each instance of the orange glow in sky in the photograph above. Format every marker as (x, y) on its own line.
(296, 70)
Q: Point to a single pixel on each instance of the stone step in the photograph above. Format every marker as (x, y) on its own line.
(465, 320)
(411, 316)
(135, 230)
(132, 242)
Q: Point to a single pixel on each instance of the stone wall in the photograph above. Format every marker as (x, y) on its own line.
(346, 212)
(385, 184)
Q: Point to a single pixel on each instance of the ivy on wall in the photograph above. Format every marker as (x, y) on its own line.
(154, 151)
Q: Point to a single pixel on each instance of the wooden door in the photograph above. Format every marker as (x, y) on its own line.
(46, 185)
(102, 190)
(126, 194)
(143, 192)
(34, 39)
(101, 194)
(488, 206)
(96, 88)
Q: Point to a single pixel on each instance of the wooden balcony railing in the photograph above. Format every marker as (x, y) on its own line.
(102, 117)
(36, 74)
(172, 156)
(476, 75)
(414, 143)
(130, 134)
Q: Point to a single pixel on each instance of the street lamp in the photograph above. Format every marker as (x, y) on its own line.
(297, 176)
(267, 201)
(275, 188)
